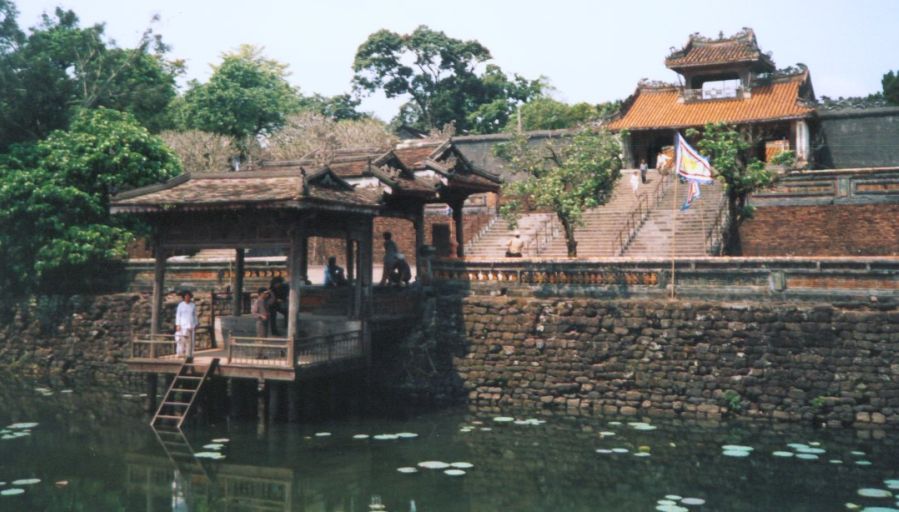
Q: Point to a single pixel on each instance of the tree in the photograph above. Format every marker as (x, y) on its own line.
(567, 175)
(200, 151)
(246, 97)
(439, 74)
(307, 132)
(61, 67)
(741, 174)
(340, 107)
(890, 84)
(56, 233)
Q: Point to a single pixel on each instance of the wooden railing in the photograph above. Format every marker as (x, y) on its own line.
(253, 351)
(153, 346)
(637, 217)
(545, 233)
(329, 348)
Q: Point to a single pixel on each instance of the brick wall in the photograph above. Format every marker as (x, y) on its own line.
(822, 230)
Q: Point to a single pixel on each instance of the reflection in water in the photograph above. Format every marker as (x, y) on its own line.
(101, 445)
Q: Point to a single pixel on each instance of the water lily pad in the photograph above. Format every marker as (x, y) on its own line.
(869, 492)
(603, 450)
(737, 447)
(503, 419)
(671, 508)
(666, 502)
(209, 455)
(835, 461)
(67, 391)
(815, 443)
(693, 501)
(454, 472)
(360, 436)
(782, 454)
(673, 497)
(808, 449)
(607, 434)
(12, 492)
(735, 453)
(880, 509)
(406, 435)
(797, 446)
(214, 446)
(857, 453)
(645, 427)
(863, 463)
(891, 484)
(620, 450)
(221, 440)
(407, 470)
(385, 437)
(322, 434)
(807, 456)
(642, 454)
(433, 464)
(22, 426)
(462, 465)
(614, 423)
(26, 481)
(486, 429)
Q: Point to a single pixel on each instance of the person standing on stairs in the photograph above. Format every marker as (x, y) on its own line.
(635, 184)
(185, 325)
(643, 169)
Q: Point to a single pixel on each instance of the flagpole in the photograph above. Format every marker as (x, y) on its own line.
(674, 230)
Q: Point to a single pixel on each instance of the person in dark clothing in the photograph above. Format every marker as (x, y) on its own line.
(643, 169)
(334, 275)
(277, 303)
(400, 274)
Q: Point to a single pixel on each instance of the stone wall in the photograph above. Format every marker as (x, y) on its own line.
(795, 362)
(83, 337)
(822, 230)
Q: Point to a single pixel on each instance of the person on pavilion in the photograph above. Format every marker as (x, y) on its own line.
(260, 312)
(400, 273)
(334, 275)
(185, 325)
(390, 252)
(277, 303)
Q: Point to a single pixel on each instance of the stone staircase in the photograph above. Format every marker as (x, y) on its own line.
(540, 231)
(653, 240)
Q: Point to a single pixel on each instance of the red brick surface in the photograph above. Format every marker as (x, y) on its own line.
(825, 230)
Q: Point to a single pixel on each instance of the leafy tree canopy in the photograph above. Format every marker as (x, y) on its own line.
(566, 175)
(440, 75)
(728, 151)
(61, 67)
(56, 233)
(339, 108)
(546, 113)
(247, 96)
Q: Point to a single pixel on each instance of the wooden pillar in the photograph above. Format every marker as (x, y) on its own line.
(158, 292)
(274, 400)
(260, 408)
(350, 271)
(459, 222)
(293, 402)
(419, 223)
(304, 258)
(152, 381)
(237, 283)
(295, 276)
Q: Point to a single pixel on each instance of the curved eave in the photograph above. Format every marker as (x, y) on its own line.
(305, 204)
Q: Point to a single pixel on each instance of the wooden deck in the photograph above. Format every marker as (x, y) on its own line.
(257, 358)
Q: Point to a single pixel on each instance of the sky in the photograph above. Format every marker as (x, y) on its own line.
(589, 50)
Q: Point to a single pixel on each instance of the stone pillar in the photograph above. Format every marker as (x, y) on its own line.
(803, 140)
(459, 221)
(237, 283)
(304, 259)
(350, 257)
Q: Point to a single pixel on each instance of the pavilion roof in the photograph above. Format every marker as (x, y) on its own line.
(700, 51)
(283, 188)
(659, 107)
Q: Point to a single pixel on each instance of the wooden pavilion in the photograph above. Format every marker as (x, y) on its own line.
(282, 205)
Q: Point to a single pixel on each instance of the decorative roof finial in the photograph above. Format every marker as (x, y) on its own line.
(720, 35)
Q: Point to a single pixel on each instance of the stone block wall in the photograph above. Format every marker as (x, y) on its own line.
(794, 362)
(822, 230)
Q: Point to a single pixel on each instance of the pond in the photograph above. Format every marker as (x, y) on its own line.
(91, 449)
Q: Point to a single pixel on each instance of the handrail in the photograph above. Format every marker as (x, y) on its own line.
(480, 230)
(279, 351)
(638, 215)
(546, 228)
(715, 236)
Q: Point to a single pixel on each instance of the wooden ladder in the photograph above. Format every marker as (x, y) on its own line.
(179, 451)
(181, 395)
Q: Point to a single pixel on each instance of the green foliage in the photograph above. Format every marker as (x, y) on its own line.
(545, 113)
(732, 401)
(338, 108)
(890, 84)
(56, 233)
(247, 96)
(785, 158)
(439, 74)
(741, 174)
(567, 176)
(818, 402)
(61, 67)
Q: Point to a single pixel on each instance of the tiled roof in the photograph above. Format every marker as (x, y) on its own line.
(701, 51)
(247, 188)
(660, 107)
(413, 156)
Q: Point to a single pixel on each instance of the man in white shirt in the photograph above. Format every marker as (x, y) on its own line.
(185, 325)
